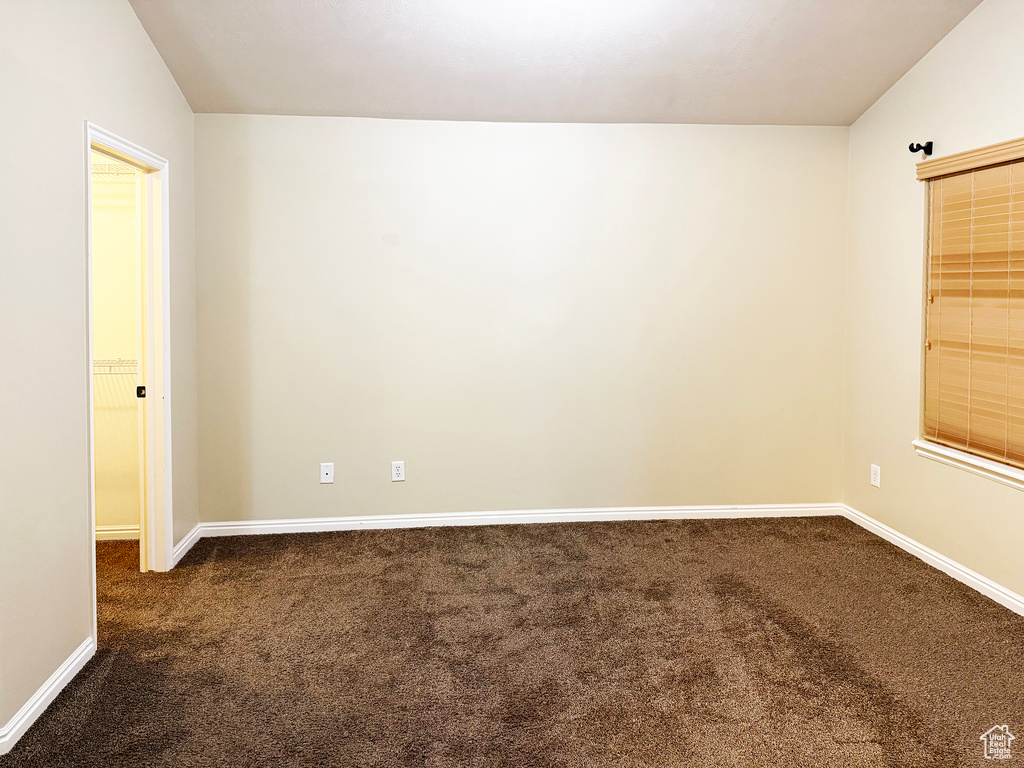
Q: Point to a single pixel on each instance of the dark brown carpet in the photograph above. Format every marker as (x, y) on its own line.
(787, 642)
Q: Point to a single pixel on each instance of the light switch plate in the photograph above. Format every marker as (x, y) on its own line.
(326, 473)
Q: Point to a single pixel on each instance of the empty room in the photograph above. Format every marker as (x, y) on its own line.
(568, 383)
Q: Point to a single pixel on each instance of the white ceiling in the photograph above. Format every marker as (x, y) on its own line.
(798, 62)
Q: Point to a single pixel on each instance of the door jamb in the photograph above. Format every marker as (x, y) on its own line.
(155, 365)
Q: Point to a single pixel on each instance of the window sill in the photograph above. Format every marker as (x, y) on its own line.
(993, 470)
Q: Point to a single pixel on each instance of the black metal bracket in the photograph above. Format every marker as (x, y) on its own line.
(140, 391)
(926, 148)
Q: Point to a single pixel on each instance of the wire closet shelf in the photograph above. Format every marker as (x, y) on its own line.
(115, 367)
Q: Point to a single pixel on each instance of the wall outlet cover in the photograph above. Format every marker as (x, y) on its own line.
(876, 476)
(326, 473)
(397, 471)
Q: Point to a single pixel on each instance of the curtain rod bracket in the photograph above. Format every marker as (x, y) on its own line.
(926, 148)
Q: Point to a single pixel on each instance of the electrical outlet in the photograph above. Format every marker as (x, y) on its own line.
(397, 471)
(876, 476)
(326, 473)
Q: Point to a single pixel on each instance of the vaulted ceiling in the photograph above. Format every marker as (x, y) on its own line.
(795, 62)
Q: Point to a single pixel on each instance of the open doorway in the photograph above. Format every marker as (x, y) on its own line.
(116, 246)
(128, 345)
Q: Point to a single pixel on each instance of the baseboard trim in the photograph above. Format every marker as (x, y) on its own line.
(186, 544)
(116, 532)
(961, 573)
(42, 698)
(511, 517)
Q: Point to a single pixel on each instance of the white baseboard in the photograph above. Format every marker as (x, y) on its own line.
(509, 517)
(16, 727)
(116, 532)
(186, 544)
(961, 573)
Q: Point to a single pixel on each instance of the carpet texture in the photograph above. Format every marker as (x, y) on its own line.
(784, 642)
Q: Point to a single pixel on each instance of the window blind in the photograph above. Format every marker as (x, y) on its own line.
(974, 347)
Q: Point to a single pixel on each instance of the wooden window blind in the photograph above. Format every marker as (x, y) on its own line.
(974, 346)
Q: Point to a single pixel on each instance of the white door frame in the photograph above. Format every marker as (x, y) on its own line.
(157, 527)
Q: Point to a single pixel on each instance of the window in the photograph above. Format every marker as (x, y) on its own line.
(974, 343)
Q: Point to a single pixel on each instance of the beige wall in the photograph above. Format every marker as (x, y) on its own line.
(965, 94)
(116, 254)
(62, 63)
(529, 315)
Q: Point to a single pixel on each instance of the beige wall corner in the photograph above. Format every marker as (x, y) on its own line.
(60, 65)
(963, 95)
